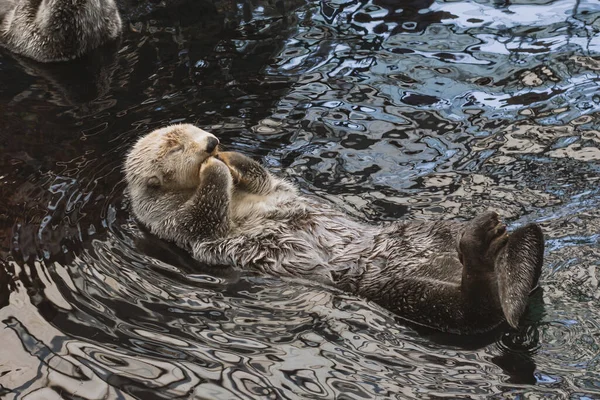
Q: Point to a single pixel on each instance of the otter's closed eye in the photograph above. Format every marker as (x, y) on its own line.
(176, 149)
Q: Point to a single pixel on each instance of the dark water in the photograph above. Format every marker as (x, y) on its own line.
(412, 109)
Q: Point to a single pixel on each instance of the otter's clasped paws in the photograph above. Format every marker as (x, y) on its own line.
(214, 171)
(239, 165)
(248, 175)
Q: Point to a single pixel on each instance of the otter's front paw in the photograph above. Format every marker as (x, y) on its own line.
(239, 165)
(214, 171)
(482, 238)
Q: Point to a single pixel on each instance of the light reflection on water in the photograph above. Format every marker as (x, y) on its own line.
(424, 110)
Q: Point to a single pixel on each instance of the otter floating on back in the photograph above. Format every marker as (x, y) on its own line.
(226, 209)
(57, 30)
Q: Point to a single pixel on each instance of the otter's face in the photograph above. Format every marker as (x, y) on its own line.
(170, 157)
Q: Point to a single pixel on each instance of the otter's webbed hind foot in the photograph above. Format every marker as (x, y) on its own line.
(483, 236)
(515, 259)
(518, 268)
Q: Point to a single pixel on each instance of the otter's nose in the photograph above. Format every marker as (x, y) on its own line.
(211, 144)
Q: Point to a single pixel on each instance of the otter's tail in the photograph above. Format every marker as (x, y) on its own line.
(518, 268)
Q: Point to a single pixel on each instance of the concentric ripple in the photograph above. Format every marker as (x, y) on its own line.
(416, 109)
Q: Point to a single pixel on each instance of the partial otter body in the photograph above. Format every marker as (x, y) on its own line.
(57, 30)
(226, 209)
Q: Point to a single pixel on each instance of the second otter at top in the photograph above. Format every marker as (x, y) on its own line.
(57, 30)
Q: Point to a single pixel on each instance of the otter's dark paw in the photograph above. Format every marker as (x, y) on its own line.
(482, 238)
(246, 172)
(237, 163)
(214, 171)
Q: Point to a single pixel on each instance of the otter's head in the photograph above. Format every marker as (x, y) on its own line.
(169, 158)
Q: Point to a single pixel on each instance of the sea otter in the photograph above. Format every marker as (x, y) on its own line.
(57, 30)
(226, 209)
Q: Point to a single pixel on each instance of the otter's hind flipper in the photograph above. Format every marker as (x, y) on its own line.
(518, 268)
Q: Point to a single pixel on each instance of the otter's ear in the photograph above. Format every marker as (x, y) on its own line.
(153, 182)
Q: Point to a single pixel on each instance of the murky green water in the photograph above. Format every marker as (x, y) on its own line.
(412, 109)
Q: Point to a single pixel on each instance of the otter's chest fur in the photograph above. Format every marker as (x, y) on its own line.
(286, 234)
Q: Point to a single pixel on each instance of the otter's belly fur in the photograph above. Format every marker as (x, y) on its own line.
(461, 277)
(288, 235)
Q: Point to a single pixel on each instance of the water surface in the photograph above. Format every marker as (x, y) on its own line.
(423, 110)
